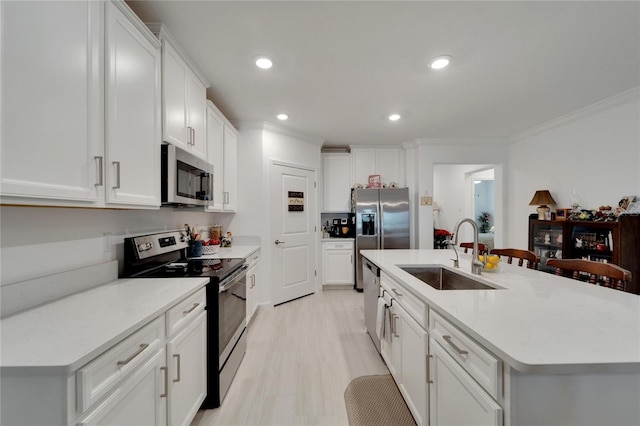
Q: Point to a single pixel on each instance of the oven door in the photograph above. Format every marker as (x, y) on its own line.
(186, 179)
(232, 308)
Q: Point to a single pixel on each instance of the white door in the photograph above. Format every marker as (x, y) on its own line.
(293, 215)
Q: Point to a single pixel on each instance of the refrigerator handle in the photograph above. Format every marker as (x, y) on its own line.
(380, 223)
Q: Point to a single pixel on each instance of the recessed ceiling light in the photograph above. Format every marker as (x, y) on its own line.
(440, 62)
(394, 117)
(282, 116)
(264, 62)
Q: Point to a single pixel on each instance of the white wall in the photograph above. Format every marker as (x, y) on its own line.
(595, 151)
(259, 144)
(423, 154)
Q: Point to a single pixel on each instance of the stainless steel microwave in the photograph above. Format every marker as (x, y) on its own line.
(186, 179)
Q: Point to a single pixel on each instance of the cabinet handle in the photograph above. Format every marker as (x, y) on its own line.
(428, 371)
(117, 166)
(253, 281)
(193, 137)
(166, 380)
(133, 355)
(395, 325)
(351, 259)
(189, 135)
(447, 338)
(177, 357)
(195, 305)
(100, 161)
(396, 292)
(226, 197)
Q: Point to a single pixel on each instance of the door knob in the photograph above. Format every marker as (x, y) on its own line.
(279, 242)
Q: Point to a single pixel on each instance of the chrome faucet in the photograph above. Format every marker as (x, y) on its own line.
(456, 261)
(476, 265)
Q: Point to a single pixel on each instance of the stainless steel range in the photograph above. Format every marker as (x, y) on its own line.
(163, 255)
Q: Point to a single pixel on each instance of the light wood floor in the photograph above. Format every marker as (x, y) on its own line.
(300, 358)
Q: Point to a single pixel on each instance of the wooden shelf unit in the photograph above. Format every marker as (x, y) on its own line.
(613, 242)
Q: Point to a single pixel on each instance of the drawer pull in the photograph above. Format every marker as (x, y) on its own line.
(177, 379)
(396, 292)
(395, 325)
(135, 354)
(195, 305)
(166, 379)
(428, 371)
(447, 338)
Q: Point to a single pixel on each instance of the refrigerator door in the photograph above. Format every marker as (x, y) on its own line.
(394, 218)
(366, 209)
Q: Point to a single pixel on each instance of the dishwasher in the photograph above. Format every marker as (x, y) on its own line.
(371, 290)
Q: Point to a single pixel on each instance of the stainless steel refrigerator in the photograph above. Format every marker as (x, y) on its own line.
(382, 222)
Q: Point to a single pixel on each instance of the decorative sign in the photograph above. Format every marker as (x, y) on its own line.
(296, 201)
(374, 181)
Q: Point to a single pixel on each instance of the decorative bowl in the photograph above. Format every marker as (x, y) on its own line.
(211, 249)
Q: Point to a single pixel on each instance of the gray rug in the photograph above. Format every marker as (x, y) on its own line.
(376, 400)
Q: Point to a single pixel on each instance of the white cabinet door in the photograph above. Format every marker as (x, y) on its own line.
(337, 263)
(251, 293)
(230, 169)
(139, 400)
(455, 398)
(51, 85)
(363, 162)
(215, 155)
(391, 345)
(174, 93)
(413, 352)
(197, 96)
(187, 366)
(336, 182)
(389, 165)
(132, 166)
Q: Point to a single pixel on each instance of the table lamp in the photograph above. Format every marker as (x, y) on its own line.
(541, 198)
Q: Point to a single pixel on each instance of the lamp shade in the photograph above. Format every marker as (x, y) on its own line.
(542, 197)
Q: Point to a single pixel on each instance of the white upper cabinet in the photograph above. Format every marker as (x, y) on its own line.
(80, 107)
(336, 182)
(222, 153)
(386, 162)
(51, 122)
(184, 98)
(133, 128)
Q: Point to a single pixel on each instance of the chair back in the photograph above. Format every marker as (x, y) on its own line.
(611, 275)
(533, 260)
(482, 248)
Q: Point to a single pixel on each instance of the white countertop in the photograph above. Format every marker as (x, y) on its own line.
(233, 252)
(538, 322)
(64, 335)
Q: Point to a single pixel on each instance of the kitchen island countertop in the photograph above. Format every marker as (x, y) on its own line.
(537, 322)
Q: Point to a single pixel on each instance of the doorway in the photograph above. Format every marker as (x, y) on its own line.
(469, 190)
(292, 230)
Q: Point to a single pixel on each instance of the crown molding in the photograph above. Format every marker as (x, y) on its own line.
(602, 105)
(278, 129)
(457, 142)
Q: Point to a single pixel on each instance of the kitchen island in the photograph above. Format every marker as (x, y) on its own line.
(552, 350)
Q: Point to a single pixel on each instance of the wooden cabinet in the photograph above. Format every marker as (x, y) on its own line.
(93, 119)
(337, 262)
(184, 98)
(133, 128)
(612, 242)
(336, 182)
(222, 154)
(52, 89)
(386, 162)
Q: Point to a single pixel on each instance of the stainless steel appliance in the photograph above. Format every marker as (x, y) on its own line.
(371, 284)
(163, 255)
(382, 222)
(186, 179)
(343, 227)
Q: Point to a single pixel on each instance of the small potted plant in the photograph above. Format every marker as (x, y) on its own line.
(483, 222)
(440, 236)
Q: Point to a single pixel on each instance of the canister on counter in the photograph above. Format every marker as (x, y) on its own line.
(216, 232)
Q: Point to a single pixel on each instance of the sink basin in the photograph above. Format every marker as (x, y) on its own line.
(445, 279)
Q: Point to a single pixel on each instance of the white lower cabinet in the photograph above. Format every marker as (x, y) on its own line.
(187, 371)
(140, 399)
(337, 262)
(455, 398)
(253, 276)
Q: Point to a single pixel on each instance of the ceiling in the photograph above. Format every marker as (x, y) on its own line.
(341, 67)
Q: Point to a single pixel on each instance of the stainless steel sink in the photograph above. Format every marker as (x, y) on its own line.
(445, 279)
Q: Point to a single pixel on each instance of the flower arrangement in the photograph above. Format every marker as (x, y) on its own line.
(483, 221)
(439, 238)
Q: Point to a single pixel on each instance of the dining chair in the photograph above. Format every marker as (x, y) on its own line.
(482, 248)
(533, 260)
(611, 275)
